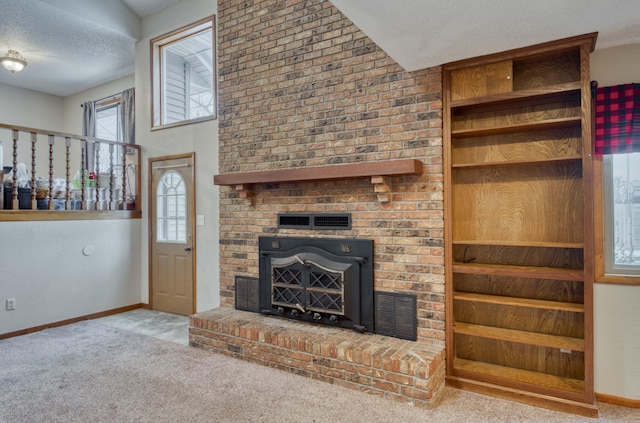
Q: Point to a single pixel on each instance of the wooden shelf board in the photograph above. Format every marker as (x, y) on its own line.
(543, 397)
(51, 215)
(519, 271)
(519, 375)
(512, 335)
(522, 95)
(356, 170)
(541, 244)
(520, 127)
(516, 162)
(519, 302)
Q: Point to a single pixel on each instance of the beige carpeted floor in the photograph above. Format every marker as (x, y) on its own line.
(95, 372)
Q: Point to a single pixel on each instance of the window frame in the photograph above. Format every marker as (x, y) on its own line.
(106, 105)
(600, 249)
(156, 45)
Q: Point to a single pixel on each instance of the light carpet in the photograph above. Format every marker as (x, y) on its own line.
(93, 372)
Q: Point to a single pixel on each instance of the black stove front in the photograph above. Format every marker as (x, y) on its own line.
(321, 280)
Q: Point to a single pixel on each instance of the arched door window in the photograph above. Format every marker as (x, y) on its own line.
(171, 208)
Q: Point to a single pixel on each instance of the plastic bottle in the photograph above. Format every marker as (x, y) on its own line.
(77, 182)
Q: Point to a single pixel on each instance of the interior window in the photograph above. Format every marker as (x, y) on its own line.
(183, 69)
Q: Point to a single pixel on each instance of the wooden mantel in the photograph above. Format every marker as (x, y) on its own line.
(378, 171)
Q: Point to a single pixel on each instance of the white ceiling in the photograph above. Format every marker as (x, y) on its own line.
(144, 8)
(424, 33)
(72, 45)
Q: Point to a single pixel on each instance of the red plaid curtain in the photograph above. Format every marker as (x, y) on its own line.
(618, 119)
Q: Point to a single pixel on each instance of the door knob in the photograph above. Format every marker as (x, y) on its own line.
(187, 248)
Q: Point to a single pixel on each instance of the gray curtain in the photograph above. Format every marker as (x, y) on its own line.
(89, 130)
(127, 116)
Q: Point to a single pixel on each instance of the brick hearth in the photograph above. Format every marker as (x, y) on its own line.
(407, 371)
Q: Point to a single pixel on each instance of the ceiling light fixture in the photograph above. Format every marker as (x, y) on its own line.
(13, 61)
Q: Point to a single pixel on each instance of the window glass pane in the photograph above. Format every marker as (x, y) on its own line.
(625, 215)
(171, 214)
(107, 123)
(108, 128)
(187, 78)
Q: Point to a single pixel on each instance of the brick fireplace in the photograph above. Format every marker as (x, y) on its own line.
(302, 88)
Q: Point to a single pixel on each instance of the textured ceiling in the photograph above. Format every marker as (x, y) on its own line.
(72, 45)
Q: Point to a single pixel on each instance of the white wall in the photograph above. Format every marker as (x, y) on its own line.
(617, 307)
(43, 267)
(73, 111)
(31, 108)
(201, 138)
(42, 264)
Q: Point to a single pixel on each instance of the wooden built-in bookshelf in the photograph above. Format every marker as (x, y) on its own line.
(518, 224)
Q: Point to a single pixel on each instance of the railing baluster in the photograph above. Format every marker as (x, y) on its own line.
(97, 173)
(124, 178)
(67, 195)
(34, 202)
(51, 141)
(83, 151)
(111, 176)
(14, 195)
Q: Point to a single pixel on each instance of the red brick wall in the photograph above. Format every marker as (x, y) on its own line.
(300, 85)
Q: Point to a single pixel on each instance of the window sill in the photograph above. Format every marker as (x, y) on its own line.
(52, 215)
(182, 123)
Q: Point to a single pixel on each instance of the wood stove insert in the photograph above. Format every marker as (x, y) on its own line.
(321, 280)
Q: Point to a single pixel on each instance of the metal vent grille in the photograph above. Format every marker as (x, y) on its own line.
(334, 221)
(247, 294)
(294, 221)
(395, 315)
(315, 221)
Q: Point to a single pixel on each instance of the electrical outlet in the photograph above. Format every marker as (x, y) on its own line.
(11, 304)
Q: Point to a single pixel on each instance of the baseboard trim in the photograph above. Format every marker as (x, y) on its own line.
(621, 401)
(73, 320)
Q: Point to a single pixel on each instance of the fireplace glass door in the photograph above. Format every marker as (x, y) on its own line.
(301, 282)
